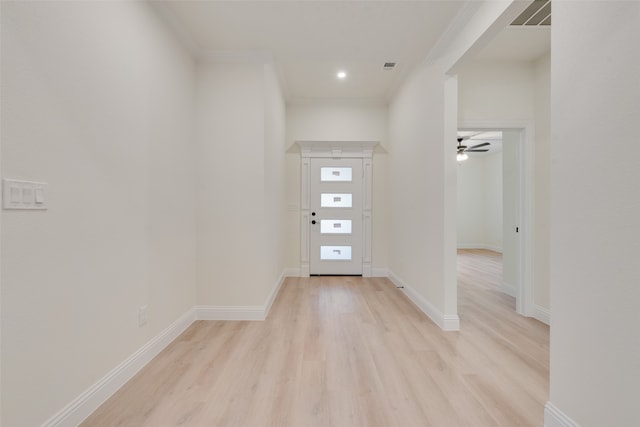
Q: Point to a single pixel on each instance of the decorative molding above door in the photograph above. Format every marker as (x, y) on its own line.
(337, 149)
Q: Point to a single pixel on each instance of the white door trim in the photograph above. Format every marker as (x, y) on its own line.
(524, 293)
(336, 150)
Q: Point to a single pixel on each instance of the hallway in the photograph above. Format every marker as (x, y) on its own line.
(338, 351)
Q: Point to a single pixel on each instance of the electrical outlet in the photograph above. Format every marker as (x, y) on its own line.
(143, 315)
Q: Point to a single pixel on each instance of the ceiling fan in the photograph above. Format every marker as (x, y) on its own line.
(463, 149)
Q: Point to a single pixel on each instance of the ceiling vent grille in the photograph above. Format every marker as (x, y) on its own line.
(538, 13)
(389, 65)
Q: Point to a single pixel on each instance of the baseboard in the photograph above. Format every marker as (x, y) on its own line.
(375, 272)
(509, 289)
(493, 248)
(451, 322)
(252, 312)
(542, 314)
(379, 272)
(554, 417)
(480, 246)
(445, 322)
(291, 272)
(230, 312)
(84, 405)
(274, 293)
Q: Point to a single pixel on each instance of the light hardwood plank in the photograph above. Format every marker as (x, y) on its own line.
(350, 351)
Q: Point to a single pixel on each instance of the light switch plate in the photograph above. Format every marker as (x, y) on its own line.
(17, 194)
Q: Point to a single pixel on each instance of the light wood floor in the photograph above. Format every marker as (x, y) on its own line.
(350, 351)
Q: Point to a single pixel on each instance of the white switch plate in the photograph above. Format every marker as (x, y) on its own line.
(18, 194)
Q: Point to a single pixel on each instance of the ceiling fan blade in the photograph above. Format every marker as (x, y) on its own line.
(484, 144)
(476, 151)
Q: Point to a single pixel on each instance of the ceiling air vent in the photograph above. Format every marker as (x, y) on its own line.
(538, 13)
(389, 65)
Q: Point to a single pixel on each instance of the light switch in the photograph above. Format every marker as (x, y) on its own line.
(27, 195)
(17, 194)
(39, 194)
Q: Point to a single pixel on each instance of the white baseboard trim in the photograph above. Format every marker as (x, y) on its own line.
(375, 272)
(554, 417)
(291, 272)
(84, 405)
(509, 289)
(542, 314)
(252, 312)
(230, 312)
(379, 272)
(445, 322)
(366, 269)
(274, 293)
(480, 246)
(451, 322)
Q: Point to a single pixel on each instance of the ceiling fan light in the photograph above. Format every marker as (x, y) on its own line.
(461, 157)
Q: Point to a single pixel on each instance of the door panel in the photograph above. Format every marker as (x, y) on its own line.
(335, 233)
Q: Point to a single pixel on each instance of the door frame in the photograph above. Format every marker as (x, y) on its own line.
(336, 150)
(524, 291)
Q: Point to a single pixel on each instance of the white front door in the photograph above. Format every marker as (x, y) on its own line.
(336, 216)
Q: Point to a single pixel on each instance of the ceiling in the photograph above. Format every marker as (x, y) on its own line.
(311, 41)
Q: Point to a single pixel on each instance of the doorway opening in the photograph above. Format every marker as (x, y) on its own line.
(493, 212)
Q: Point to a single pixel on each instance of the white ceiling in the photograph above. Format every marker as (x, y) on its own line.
(310, 40)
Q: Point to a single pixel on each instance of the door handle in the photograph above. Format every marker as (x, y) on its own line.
(313, 214)
(313, 222)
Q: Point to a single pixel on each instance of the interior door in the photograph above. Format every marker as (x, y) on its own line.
(335, 232)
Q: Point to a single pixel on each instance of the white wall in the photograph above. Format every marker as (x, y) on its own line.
(339, 120)
(96, 101)
(423, 119)
(417, 135)
(494, 196)
(511, 146)
(230, 184)
(542, 188)
(479, 207)
(240, 183)
(496, 90)
(471, 204)
(517, 92)
(275, 234)
(595, 244)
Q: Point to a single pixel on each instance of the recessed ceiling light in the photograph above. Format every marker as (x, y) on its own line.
(341, 75)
